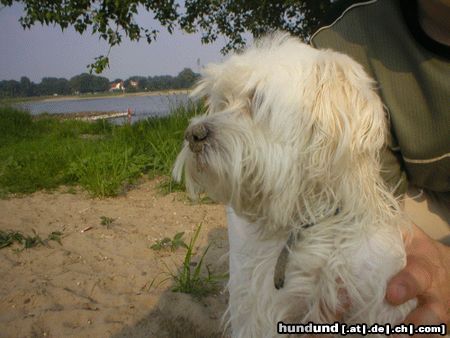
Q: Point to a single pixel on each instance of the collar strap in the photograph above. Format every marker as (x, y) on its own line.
(280, 266)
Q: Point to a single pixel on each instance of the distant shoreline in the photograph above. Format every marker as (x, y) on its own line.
(91, 96)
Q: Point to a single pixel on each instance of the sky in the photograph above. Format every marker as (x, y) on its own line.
(45, 51)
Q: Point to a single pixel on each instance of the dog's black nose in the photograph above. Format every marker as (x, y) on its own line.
(196, 135)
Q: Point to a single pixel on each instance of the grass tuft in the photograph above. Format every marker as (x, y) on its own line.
(190, 278)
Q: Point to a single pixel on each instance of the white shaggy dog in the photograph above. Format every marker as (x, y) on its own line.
(291, 143)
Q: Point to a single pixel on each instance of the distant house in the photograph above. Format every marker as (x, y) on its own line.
(134, 84)
(117, 86)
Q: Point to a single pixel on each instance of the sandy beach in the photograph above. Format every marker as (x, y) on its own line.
(100, 96)
(98, 283)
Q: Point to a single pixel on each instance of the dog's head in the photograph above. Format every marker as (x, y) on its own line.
(291, 132)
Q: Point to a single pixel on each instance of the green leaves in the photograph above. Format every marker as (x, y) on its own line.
(178, 241)
(109, 19)
(106, 221)
(10, 237)
(172, 244)
(101, 62)
(233, 19)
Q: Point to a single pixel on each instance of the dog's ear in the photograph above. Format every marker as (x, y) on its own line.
(348, 120)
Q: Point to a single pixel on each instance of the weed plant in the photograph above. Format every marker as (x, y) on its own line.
(106, 221)
(190, 277)
(173, 243)
(44, 152)
(10, 237)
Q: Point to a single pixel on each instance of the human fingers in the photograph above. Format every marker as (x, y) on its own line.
(415, 279)
(430, 311)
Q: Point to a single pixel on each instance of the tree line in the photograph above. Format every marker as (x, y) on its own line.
(89, 83)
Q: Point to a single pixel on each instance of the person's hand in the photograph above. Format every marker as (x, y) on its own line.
(427, 277)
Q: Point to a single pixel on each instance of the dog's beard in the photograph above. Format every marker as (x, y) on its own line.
(228, 167)
(218, 168)
(204, 173)
(242, 166)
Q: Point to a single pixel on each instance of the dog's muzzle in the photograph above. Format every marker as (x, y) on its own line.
(197, 136)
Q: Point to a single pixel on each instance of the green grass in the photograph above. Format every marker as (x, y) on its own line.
(45, 153)
(190, 277)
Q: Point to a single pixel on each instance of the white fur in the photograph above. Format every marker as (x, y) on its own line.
(295, 135)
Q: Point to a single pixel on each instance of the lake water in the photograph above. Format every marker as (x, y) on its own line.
(141, 106)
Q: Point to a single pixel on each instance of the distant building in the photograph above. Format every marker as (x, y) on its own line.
(117, 86)
(134, 83)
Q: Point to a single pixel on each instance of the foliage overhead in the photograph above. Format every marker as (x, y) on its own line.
(233, 18)
(112, 19)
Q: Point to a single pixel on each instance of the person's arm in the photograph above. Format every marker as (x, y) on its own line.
(427, 277)
(427, 272)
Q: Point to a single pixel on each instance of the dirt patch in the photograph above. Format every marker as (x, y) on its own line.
(97, 283)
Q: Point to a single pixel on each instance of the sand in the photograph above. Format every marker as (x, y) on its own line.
(98, 283)
(108, 96)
